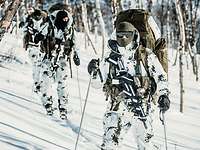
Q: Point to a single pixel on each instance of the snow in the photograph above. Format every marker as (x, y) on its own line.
(24, 124)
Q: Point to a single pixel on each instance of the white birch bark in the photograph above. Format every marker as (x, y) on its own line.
(181, 51)
(102, 24)
(86, 28)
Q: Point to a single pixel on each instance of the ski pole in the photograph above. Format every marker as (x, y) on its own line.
(162, 119)
(70, 65)
(83, 112)
(79, 90)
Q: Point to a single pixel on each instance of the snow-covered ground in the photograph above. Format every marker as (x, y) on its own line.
(25, 126)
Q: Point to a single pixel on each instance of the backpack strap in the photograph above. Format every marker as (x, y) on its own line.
(141, 55)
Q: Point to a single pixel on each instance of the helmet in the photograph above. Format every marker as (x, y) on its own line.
(127, 33)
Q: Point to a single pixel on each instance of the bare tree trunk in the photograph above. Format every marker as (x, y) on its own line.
(119, 2)
(17, 22)
(168, 26)
(149, 5)
(85, 22)
(7, 19)
(181, 80)
(139, 4)
(66, 2)
(2, 1)
(114, 11)
(162, 18)
(174, 64)
(197, 60)
(103, 31)
(181, 51)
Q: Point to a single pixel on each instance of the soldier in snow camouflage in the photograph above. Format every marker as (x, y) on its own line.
(129, 85)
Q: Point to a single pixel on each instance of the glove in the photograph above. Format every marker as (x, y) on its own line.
(58, 41)
(76, 59)
(163, 103)
(38, 37)
(21, 24)
(93, 65)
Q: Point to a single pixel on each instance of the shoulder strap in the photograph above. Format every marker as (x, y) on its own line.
(141, 55)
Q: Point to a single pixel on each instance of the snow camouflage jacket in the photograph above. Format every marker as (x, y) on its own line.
(148, 81)
(66, 36)
(34, 24)
(51, 37)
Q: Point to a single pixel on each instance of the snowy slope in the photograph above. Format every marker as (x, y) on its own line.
(24, 125)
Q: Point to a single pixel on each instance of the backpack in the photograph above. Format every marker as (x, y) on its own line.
(139, 18)
(59, 6)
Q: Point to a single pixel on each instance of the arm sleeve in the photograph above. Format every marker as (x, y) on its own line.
(104, 67)
(74, 40)
(157, 72)
(71, 33)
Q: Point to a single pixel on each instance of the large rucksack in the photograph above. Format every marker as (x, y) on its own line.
(59, 6)
(139, 18)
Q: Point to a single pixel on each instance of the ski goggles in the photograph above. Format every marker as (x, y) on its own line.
(126, 34)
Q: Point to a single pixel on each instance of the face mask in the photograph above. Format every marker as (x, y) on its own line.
(61, 24)
(37, 18)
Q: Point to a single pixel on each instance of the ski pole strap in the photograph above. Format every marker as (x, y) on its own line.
(100, 75)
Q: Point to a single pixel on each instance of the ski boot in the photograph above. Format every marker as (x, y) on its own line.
(49, 109)
(63, 113)
(113, 146)
(36, 87)
(48, 106)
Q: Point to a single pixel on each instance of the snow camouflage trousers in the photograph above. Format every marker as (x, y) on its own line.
(36, 59)
(117, 122)
(57, 73)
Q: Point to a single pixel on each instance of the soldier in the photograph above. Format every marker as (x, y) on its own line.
(58, 45)
(34, 24)
(130, 83)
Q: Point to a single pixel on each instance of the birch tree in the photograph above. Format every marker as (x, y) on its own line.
(66, 2)
(85, 23)
(149, 5)
(181, 51)
(8, 17)
(162, 18)
(116, 7)
(2, 2)
(139, 4)
(102, 24)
